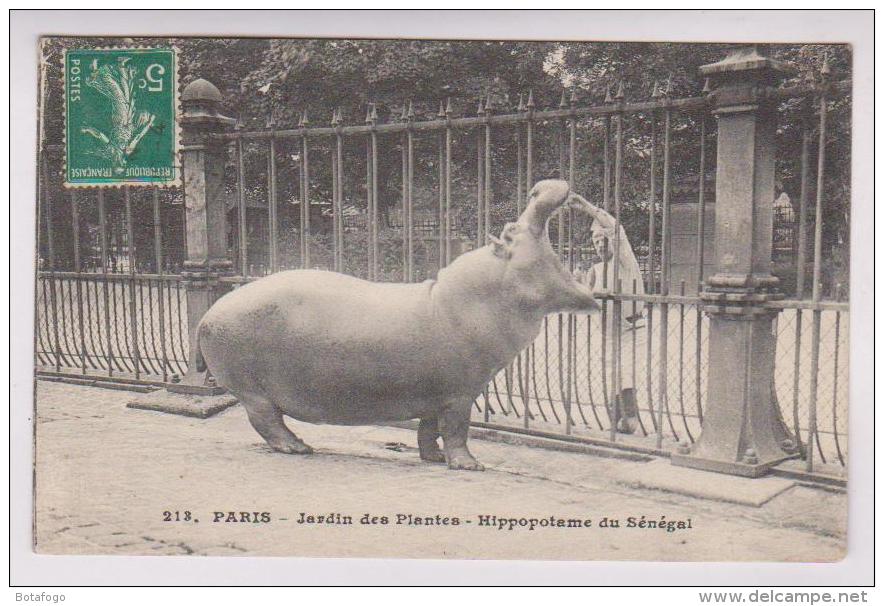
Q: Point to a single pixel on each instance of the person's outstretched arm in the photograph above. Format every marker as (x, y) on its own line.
(629, 267)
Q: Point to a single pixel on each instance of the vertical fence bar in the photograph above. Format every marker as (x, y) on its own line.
(681, 312)
(560, 212)
(589, 365)
(487, 195)
(145, 318)
(649, 386)
(369, 211)
(133, 323)
(701, 250)
(701, 205)
(529, 183)
(651, 280)
(525, 385)
(336, 251)
(575, 325)
(572, 155)
(606, 203)
(409, 226)
(448, 182)
(835, 361)
(50, 251)
(440, 159)
(305, 195)
(303, 210)
(634, 357)
(158, 254)
(78, 267)
(520, 170)
(181, 362)
(529, 144)
(817, 287)
(404, 194)
(533, 376)
(564, 363)
(664, 286)
(102, 226)
(241, 209)
(572, 327)
(606, 154)
(617, 323)
(271, 202)
(800, 268)
(652, 205)
(801, 253)
(480, 183)
(48, 350)
(375, 226)
(339, 212)
(92, 309)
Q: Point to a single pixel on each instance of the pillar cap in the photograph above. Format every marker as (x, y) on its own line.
(745, 58)
(201, 101)
(201, 90)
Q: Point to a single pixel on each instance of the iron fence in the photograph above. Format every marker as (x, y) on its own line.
(109, 302)
(108, 308)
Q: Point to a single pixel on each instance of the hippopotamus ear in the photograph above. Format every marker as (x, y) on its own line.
(499, 247)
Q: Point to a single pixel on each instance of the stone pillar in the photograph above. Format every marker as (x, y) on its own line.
(203, 159)
(742, 432)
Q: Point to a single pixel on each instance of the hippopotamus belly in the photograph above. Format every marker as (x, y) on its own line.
(329, 348)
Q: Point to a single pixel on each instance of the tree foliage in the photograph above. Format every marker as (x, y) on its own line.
(278, 82)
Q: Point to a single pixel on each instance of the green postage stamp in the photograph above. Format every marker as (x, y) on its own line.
(121, 124)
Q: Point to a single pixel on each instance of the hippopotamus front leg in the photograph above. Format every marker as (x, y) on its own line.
(427, 436)
(454, 425)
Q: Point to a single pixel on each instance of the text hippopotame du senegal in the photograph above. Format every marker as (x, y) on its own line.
(497, 521)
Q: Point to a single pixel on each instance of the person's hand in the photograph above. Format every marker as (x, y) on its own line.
(601, 216)
(578, 202)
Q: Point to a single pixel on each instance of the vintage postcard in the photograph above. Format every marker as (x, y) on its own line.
(419, 298)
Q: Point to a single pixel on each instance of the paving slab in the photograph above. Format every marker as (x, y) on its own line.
(189, 405)
(662, 475)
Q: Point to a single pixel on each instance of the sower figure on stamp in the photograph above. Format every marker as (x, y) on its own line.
(631, 331)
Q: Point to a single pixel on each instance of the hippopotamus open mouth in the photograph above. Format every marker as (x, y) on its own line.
(534, 265)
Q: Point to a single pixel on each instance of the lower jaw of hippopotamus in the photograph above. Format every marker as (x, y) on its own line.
(574, 296)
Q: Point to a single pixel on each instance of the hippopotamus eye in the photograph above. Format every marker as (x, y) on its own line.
(509, 230)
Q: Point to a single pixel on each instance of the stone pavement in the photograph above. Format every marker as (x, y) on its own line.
(107, 474)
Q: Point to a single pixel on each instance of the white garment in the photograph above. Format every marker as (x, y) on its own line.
(631, 323)
(628, 273)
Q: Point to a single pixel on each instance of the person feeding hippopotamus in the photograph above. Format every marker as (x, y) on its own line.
(631, 332)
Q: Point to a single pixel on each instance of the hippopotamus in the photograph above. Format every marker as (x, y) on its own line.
(324, 347)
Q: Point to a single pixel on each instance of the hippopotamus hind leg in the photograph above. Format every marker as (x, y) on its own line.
(427, 436)
(454, 425)
(267, 420)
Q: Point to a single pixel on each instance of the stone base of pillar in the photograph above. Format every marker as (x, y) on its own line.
(743, 432)
(201, 406)
(735, 468)
(197, 384)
